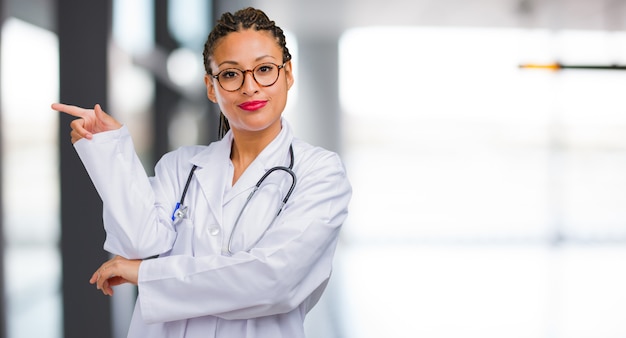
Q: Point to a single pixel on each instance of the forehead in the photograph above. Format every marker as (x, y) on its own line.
(246, 46)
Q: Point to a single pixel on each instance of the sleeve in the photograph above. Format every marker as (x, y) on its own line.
(136, 222)
(288, 267)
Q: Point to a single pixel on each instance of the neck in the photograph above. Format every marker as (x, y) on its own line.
(247, 146)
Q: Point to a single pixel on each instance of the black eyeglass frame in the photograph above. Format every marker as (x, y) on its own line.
(245, 71)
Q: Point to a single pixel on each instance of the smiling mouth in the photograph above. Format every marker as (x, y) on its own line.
(252, 105)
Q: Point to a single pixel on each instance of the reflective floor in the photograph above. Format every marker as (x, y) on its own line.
(482, 291)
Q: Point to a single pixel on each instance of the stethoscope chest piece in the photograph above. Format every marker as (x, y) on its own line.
(181, 212)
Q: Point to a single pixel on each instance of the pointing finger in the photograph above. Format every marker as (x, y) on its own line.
(70, 110)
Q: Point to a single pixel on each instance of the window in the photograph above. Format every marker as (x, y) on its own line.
(30, 183)
(488, 200)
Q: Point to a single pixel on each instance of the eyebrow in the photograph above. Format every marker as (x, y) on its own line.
(234, 63)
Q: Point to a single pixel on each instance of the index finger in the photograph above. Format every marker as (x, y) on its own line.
(70, 110)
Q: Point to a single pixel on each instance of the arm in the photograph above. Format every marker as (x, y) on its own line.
(290, 263)
(132, 216)
(135, 209)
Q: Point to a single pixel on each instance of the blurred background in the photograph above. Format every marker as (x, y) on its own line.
(489, 199)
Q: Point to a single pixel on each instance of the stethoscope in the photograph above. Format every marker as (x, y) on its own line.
(180, 211)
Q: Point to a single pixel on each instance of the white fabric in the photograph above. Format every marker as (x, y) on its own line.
(192, 289)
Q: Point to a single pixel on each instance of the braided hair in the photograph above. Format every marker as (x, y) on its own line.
(247, 18)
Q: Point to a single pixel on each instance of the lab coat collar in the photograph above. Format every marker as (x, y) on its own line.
(213, 167)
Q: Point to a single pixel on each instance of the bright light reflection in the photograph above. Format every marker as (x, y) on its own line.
(132, 25)
(185, 67)
(465, 169)
(30, 184)
(187, 20)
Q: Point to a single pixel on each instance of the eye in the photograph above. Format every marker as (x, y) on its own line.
(229, 74)
(265, 68)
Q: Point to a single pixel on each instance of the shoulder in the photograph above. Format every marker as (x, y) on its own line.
(310, 158)
(321, 177)
(181, 159)
(185, 152)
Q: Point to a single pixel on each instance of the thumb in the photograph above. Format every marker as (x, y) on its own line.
(100, 114)
(105, 121)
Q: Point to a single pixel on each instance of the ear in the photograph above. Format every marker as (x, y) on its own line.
(210, 88)
(289, 74)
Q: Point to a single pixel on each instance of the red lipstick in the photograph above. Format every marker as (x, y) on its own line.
(252, 105)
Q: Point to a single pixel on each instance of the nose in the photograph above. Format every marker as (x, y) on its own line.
(249, 86)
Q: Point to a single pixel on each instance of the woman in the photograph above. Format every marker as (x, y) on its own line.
(225, 267)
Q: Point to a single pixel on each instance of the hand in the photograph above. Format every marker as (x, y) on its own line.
(89, 122)
(115, 271)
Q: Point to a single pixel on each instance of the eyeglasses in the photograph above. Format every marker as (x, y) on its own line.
(232, 79)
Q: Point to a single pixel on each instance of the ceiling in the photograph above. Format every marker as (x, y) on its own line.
(332, 17)
(323, 17)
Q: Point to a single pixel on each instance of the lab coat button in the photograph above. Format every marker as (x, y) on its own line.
(214, 231)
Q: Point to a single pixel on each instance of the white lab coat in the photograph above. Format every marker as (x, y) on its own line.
(192, 289)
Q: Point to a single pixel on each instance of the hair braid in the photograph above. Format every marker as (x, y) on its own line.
(247, 18)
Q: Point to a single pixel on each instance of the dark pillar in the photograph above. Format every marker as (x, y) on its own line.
(166, 99)
(83, 29)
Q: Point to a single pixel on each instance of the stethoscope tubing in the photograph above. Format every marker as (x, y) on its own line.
(256, 187)
(177, 212)
(180, 212)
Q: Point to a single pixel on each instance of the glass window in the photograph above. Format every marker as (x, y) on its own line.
(30, 183)
(488, 199)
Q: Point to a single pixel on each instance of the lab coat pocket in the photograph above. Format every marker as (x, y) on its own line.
(183, 245)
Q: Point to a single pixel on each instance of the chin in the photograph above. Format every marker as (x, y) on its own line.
(261, 124)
